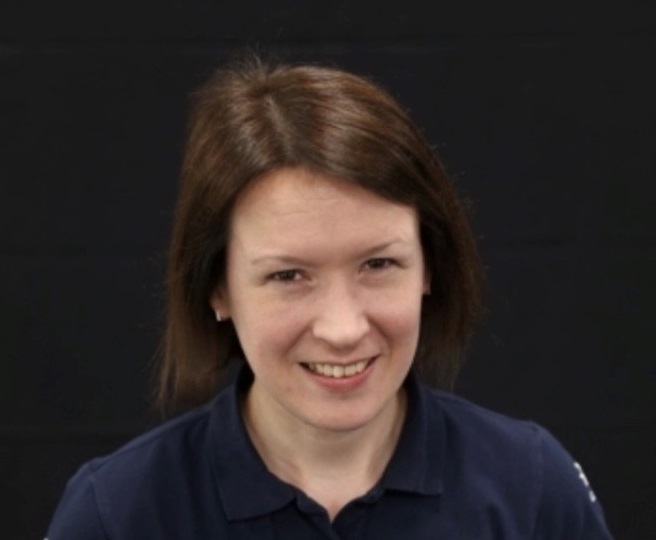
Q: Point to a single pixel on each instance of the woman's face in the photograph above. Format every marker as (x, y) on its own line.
(324, 284)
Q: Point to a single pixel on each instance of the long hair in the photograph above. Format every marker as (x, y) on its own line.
(254, 118)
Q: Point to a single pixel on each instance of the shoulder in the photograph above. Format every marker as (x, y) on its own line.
(173, 443)
(568, 506)
(473, 428)
(522, 468)
(156, 462)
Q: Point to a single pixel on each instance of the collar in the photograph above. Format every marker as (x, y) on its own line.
(247, 489)
(418, 461)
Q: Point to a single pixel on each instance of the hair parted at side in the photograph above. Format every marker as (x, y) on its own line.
(254, 118)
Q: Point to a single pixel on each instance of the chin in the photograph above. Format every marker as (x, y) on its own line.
(341, 422)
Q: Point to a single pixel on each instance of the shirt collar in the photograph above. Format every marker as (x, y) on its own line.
(247, 488)
(418, 461)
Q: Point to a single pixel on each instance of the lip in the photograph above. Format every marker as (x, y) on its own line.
(344, 384)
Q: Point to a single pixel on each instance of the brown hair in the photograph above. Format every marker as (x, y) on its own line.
(251, 119)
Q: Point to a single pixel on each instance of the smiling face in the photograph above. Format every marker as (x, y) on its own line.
(324, 282)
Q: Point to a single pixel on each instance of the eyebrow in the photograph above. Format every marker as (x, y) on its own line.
(297, 261)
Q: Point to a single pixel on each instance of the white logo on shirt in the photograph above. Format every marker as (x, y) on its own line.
(584, 479)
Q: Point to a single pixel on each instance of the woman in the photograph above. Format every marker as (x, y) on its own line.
(319, 247)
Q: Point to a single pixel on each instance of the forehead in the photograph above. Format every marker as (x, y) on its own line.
(295, 205)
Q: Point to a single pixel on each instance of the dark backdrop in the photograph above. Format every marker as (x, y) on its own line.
(544, 113)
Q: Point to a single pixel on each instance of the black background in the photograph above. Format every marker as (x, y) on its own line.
(545, 114)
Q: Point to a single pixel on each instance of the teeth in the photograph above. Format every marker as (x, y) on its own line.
(338, 371)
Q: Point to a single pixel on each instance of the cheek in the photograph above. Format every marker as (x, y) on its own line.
(404, 320)
(403, 324)
(399, 318)
(266, 334)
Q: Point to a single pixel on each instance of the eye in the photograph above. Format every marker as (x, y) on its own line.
(286, 275)
(379, 263)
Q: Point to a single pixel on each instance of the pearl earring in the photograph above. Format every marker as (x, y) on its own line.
(218, 315)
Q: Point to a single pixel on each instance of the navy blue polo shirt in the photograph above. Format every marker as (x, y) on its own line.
(459, 472)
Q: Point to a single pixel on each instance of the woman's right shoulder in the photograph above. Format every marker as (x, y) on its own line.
(154, 448)
(152, 462)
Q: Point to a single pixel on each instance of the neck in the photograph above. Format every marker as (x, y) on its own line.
(332, 467)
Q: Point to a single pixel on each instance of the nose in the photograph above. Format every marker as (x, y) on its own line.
(341, 319)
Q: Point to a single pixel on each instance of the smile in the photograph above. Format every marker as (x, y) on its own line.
(338, 371)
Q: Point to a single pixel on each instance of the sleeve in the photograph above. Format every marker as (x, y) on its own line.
(569, 509)
(77, 516)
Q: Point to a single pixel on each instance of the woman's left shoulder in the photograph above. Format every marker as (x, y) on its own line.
(470, 427)
(522, 465)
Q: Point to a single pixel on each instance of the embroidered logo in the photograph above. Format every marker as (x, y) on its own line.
(584, 479)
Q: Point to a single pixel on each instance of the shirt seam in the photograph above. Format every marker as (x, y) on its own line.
(148, 438)
(104, 523)
(473, 407)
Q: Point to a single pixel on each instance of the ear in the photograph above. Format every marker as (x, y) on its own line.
(219, 304)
